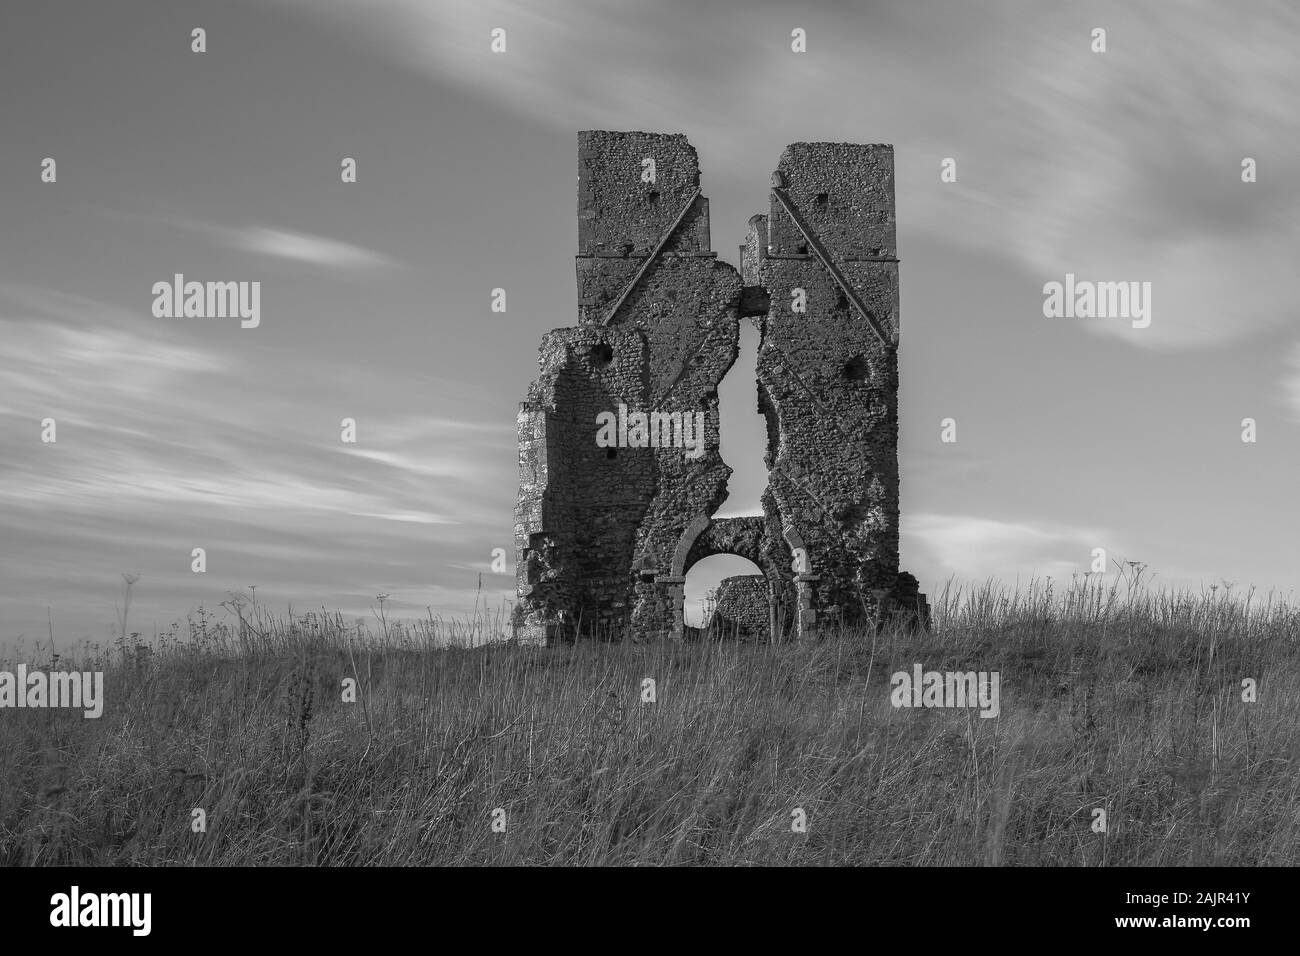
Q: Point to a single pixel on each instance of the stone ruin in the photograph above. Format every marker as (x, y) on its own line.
(740, 609)
(620, 472)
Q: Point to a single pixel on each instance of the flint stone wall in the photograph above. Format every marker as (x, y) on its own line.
(605, 536)
(741, 609)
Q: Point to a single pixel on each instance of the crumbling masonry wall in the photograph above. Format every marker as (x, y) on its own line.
(827, 376)
(608, 523)
(741, 610)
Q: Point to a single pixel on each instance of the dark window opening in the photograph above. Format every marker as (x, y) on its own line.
(856, 369)
(602, 354)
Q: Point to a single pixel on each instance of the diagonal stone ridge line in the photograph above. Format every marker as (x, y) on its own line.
(890, 341)
(654, 254)
(686, 367)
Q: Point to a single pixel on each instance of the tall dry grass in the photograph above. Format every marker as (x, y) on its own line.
(1121, 698)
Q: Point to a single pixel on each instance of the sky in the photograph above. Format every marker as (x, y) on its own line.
(181, 433)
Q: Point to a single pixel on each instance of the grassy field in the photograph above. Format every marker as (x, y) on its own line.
(1114, 697)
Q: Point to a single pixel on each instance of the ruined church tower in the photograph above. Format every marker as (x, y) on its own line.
(620, 473)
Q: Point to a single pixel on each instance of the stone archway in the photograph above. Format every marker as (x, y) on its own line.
(782, 560)
(728, 597)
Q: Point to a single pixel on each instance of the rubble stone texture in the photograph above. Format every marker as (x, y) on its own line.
(605, 535)
(741, 610)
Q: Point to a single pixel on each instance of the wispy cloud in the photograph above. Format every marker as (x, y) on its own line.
(974, 548)
(421, 450)
(300, 247)
(66, 353)
(410, 517)
(261, 240)
(1126, 166)
(152, 428)
(1122, 166)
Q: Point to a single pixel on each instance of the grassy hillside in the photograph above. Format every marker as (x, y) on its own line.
(1121, 698)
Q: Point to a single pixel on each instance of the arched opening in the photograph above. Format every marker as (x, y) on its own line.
(728, 595)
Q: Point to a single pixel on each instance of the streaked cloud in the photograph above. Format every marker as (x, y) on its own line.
(410, 517)
(300, 247)
(66, 352)
(277, 243)
(162, 447)
(975, 548)
(1117, 166)
(1126, 165)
